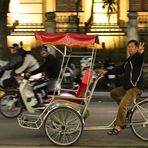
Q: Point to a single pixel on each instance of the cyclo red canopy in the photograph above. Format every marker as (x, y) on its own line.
(68, 39)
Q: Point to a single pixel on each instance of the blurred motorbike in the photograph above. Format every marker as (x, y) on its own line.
(69, 77)
(12, 102)
(16, 100)
(111, 81)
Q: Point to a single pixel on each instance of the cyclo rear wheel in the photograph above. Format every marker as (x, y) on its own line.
(63, 126)
(139, 120)
(10, 106)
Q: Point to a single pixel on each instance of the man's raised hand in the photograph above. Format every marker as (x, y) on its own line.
(141, 47)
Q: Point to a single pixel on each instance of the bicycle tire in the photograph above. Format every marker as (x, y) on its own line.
(63, 126)
(139, 120)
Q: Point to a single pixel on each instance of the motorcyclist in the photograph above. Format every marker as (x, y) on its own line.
(29, 64)
(14, 62)
(51, 69)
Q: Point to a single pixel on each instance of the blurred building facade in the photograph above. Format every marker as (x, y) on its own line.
(128, 20)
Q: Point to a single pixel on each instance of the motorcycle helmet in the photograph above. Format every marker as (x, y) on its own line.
(15, 45)
(46, 48)
(14, 48)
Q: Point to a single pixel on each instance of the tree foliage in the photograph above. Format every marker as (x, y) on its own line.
(110, 5)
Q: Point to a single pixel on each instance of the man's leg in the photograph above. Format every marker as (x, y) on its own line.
(51, 86)
(125, 105)
(37, 88)
(117, 94)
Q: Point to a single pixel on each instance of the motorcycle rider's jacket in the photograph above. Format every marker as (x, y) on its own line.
(30, 64)
(51, 67)
(132, 69)
(15, 61)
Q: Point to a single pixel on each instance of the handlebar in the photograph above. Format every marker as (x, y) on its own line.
(99, 76)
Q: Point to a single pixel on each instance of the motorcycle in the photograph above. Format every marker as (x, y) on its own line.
(69, 78)
(111, 81)
(16, 100)
(12, 103)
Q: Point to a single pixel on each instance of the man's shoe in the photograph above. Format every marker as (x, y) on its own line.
(114, 131)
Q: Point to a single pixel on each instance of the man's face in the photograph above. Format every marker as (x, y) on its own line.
(12, 50)
(132, 49)
(44, 53)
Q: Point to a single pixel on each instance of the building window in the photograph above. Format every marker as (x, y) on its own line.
(138, 5)
(68, 5)
(145, 5)
(100, 14)
(30, 9)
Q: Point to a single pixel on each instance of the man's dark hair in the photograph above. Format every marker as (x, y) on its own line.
(133, 41)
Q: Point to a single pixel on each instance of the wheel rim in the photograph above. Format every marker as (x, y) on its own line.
(139, 121)
(9, 107)
(63, 126)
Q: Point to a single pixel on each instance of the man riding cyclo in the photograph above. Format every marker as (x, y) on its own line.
(132, 69)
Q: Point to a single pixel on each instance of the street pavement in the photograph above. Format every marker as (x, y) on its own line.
(101, 113)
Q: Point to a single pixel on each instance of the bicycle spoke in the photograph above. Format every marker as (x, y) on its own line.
(139, 120)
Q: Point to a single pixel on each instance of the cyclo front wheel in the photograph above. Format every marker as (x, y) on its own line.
(63, 126)
(10, 106)
(139, 120)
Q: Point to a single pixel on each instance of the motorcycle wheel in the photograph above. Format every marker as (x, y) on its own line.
(10, 106)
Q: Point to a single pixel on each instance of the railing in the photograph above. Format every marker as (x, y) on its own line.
(68, 22)
(142, 23)
(143, 19)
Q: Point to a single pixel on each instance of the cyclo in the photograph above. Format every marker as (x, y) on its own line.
(63, 116)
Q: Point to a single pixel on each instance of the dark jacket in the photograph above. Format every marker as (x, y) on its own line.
(15, 61)
(132, 69)
(51, 67)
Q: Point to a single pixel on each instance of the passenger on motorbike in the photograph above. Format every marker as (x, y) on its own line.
(30, 63)
(51, 69)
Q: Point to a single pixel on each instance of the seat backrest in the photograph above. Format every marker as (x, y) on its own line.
(85, 81)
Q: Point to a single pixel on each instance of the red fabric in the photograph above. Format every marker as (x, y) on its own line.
(87, 76)
(81, 90)
(68, 39)
(85, 81)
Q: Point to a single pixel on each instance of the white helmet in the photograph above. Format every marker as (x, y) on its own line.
(46, 48)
